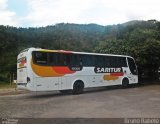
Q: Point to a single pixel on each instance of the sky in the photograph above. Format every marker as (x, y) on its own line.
(38, 13)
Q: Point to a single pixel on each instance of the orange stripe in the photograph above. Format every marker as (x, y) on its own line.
(44, 71)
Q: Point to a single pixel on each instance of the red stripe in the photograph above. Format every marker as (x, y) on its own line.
(117, 74)
(62, 70)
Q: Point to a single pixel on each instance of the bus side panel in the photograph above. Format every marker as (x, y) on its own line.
(70, 80)
(112, 82)
(47, 83)
(84, 75)
(90, 79)
(132, 78)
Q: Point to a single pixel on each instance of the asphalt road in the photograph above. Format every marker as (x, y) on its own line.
(113, 102)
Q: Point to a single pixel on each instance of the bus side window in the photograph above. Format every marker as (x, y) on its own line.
(123, 61)
(40, 58)
(62, 59)
(75, 60)
(59, 59)
(111, 61)
(99, 61)
(106, 61)
(117, 62)
(88, 60)
(52, 58)
(67, 60)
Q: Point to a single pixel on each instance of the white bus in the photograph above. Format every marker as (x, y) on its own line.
(46, 70)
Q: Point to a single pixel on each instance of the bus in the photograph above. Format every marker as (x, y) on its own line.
(47, 70)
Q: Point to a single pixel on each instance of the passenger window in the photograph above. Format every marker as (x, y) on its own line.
(40, 58)
(67, 60)
(112, 61)
(123, 62)
(53, 58)
(87, 60)
(107, 61)
(99, 61)
(59, 59)
(75, 60)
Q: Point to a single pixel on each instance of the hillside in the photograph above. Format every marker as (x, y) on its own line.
(140, 39)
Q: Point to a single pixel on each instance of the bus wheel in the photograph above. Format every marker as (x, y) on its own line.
(78, 87)
(65, 91)
(125, 83)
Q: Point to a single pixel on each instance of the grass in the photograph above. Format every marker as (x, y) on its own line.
(4, 85)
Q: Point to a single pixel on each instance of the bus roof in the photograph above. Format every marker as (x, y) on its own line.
(65, 51)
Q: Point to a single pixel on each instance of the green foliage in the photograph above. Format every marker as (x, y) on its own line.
(112, 47)
(140, 39)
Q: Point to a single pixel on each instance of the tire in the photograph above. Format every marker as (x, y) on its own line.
(65, 91)
(78, 87)
(125, 83)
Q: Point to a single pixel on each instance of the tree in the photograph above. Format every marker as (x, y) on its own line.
(148, 57)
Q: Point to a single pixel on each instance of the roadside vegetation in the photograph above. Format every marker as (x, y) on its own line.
(4, 85)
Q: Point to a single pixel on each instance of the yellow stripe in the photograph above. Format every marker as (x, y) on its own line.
(109, 77)
(43, 50)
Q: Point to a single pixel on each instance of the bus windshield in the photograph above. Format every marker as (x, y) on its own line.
(132, 66)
